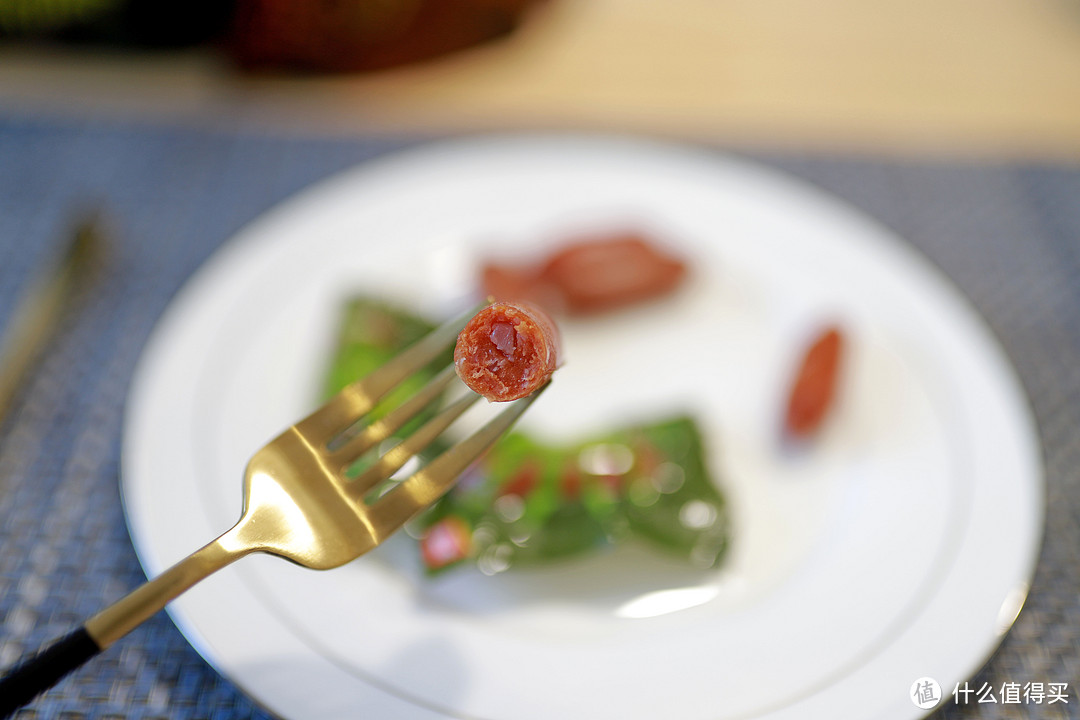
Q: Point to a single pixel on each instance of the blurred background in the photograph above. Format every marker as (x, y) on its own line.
(955, 123)
(961, 77)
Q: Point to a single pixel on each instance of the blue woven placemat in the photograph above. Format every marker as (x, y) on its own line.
(1007, 234)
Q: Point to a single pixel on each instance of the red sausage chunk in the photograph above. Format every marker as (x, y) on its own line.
(814, 388)
(507, 351)
(590, 275)
(608, 273)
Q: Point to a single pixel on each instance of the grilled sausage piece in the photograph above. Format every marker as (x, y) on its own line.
(589, 275)
(507, 351)
(814, 387)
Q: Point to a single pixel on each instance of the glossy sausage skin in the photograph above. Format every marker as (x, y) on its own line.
(814, 388)
(507, 351)
(611, 272)
(590, 275)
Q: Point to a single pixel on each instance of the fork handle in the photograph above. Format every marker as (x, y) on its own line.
(41, 671)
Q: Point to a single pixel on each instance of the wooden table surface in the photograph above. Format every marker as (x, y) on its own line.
(983, 78)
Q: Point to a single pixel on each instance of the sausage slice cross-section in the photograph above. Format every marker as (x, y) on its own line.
(507, 351)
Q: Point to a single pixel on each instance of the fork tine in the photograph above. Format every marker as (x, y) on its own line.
(429, 483)
(360, 397)
(346, 449)
(395, 458)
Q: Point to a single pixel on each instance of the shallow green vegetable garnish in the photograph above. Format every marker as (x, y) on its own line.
(528, 502)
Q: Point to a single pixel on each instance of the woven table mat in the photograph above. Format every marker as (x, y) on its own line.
(1007, 234)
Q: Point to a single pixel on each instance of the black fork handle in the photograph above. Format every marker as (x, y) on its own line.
(37, 673)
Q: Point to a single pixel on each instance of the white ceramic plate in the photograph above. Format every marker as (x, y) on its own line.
(898, 546)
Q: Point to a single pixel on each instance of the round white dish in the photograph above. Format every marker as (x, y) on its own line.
(898, 545)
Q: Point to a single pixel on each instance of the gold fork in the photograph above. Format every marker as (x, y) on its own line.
(298, 502)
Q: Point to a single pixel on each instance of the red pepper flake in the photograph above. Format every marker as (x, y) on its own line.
(570, 482)
(647, 457)
(814, 388)
(446, 542)
(612, 483)
(523, 481)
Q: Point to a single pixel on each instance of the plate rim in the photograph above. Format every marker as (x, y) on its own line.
(249, 233)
